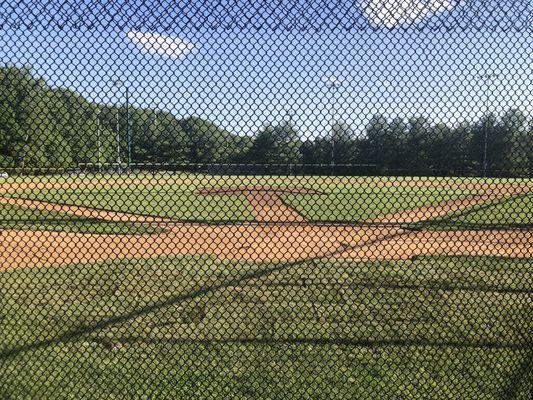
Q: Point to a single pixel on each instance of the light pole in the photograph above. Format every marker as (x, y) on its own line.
(290, 113)
(99, 144)
(156, 109)
(119, 83)
(486, 77)
(119, 162)
(332, 84)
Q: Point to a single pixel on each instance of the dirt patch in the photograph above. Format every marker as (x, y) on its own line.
(260, 242)
(232, 191)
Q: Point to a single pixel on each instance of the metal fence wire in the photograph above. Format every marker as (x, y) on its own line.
(285, 199)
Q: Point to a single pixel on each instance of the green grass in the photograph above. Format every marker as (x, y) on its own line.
(164, 201)
(204, 179)
(84, 370)
(343, 202)
(13, 217)
(516, 211)
(344, 199)
(196, 327)
(354, 204)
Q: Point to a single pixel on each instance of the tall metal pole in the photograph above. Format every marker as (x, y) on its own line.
(118, 140)
(485, 128)
(155, 120)
(333, 84)
(118, 83)
(290, 114)
(333, 89)
(98, 141)
(128, 134)
(486, 80)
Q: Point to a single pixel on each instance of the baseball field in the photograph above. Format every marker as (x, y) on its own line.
(237, 285)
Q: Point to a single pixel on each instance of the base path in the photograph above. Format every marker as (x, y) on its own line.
(270, 243)
(442, 209)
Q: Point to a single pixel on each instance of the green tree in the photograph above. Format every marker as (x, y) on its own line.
(484, 146)
(11, 136)
(516, 142)
(275, 144)
(208, 143)
(382, 143)
(463, 138)
(396, 145)
(344, 145)
(416, 145)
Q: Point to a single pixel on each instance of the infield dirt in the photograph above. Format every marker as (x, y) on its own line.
(278, 234)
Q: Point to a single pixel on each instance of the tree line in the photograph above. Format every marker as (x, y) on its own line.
(44, 127)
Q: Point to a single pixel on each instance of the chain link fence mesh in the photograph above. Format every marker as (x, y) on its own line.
(292, 199)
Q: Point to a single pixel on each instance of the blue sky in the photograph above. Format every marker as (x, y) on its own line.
(242, 79)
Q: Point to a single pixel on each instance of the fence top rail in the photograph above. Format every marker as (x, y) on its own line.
(284, 15)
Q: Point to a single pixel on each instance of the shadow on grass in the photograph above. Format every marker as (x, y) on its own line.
(520, 377)
(84, 330)
(361, 342)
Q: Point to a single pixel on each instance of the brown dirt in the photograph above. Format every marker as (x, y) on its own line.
(252, 242)
(259, 241)
(270, 243)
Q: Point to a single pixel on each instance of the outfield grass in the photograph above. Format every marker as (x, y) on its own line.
(342, 202)
(216, 180)
(344, 199)
(442, 327)
(13, 217)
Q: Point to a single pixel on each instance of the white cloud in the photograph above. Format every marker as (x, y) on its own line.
(165, 45)
(390, 13)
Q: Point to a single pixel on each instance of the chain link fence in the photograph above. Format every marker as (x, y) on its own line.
(293, 199)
